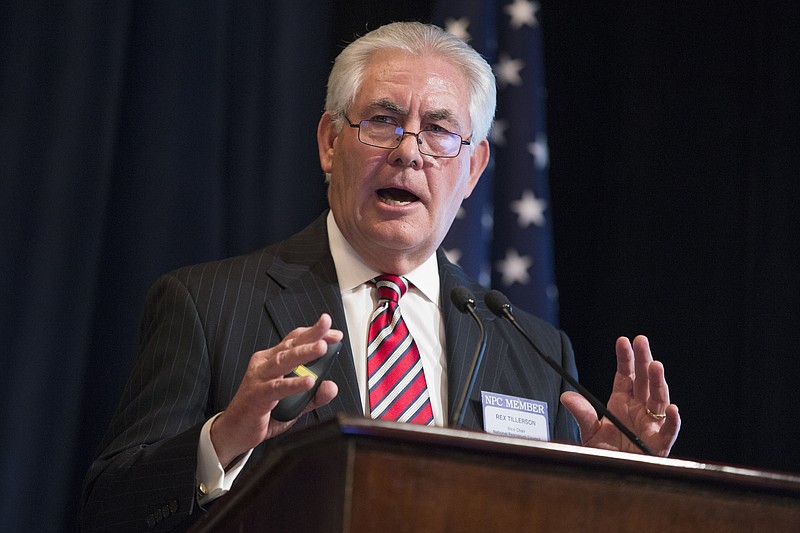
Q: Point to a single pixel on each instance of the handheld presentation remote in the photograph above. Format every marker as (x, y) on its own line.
(291, 406)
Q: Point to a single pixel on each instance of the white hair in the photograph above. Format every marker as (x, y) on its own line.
(420, 39)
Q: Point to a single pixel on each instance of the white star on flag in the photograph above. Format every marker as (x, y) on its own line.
(458, 27)
(453, 255)
(522, 13)
(538, 149)
(498, 132)
(514, 268)
(530, 209)
(487, 221)
(507, 70)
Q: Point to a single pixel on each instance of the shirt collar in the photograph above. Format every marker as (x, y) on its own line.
(352, 272)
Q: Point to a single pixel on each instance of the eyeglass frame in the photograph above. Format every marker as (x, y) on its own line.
(462, 141)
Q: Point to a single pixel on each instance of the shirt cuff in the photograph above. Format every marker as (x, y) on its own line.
(212, 480)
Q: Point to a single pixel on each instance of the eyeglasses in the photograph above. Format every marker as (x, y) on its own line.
(436, 143)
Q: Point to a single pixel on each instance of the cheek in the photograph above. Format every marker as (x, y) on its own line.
(349, 186)
(456, 188)
(342, 194)
(458, 194)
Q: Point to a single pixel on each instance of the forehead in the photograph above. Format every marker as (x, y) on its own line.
(414, 83)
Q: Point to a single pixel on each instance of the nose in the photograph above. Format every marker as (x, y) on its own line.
(407, 153)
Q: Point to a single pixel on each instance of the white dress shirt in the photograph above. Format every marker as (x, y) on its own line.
(421, 312)
(421, 308)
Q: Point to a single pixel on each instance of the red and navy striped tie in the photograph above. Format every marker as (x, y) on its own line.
(397, 387)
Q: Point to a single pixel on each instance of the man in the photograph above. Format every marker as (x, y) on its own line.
(402, 142)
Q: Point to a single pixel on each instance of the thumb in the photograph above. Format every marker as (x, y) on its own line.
(583, 412)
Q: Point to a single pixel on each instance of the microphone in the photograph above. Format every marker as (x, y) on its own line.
(464, 301)
(498, 304)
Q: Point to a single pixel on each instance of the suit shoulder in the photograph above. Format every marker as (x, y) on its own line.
(552, 339)
(297, 252)
(242, 267)
(535, 322)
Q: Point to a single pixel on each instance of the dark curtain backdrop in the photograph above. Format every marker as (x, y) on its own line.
(139, 136)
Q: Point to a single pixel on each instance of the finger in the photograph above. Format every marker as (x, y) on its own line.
(642, 360)
(300, 346)
(624, 352)
(280, 388)
(284, 361)
(275, 362)
(623, 379)
(669, 430)
(583, 412)
(326, 392)
(320, 330)
(658, 400)
(307, 334)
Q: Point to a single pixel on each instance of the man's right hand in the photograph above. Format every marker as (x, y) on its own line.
(247, 421)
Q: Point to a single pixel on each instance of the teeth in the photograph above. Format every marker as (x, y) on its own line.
(389, 201)
(396, 197)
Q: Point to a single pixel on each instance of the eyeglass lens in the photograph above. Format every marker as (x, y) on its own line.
(386, 135)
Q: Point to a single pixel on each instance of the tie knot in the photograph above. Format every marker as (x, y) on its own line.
(390, 287)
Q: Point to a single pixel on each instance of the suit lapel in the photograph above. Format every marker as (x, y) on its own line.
(306, 276)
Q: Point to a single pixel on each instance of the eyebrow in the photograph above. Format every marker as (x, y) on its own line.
(433, 114)
(388, 105)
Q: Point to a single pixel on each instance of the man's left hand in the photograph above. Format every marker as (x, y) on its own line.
(640, 399)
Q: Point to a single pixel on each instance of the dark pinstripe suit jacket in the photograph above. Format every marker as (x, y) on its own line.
(200, 327)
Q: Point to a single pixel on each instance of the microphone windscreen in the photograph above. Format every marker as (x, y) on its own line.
(461, 297)
(496, 301)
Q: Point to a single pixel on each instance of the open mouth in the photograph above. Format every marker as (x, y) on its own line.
(393, 196)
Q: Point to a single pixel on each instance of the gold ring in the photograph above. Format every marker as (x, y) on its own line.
(657, 416)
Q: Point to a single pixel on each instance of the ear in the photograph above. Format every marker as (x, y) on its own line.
(326, 135)
(477, 164)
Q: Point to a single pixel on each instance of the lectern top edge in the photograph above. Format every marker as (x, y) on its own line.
(586, 456)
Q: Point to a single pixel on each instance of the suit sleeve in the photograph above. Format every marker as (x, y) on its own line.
(566, 429)
(144, 477)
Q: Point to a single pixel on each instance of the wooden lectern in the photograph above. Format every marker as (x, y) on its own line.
(353, 475)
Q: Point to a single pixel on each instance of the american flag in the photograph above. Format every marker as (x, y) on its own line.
(503, 234)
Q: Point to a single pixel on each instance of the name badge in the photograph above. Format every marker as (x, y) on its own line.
(514, 417)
